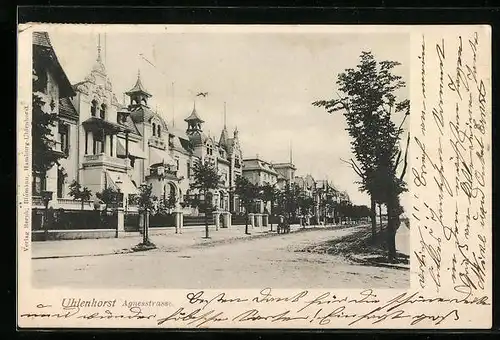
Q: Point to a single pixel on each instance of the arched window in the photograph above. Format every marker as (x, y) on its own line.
(154, 129)
(103, 111)
(159, 130)
(93, 108)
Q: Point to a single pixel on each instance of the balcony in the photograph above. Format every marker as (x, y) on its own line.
(157, 143)
(62, 203)
(56, 147)
(105, 160)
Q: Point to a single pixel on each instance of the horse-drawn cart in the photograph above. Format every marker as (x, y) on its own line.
(283, 226)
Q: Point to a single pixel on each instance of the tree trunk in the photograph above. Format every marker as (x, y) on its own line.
(246, 221)
(271, 215)
(45, 222)
(391, 234)
(380, 216)
(206, 222)
(205, 205)
(373, 217)
(144, 228)
(82, 203)
(147, 226)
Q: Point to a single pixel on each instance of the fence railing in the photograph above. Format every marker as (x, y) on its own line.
(161, 221)
(59, 219)
(132, 222)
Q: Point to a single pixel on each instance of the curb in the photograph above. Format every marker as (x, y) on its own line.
(196, 246)
(260, 235)
(377, 264)
(117, 252)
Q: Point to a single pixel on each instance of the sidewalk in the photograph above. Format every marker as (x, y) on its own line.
(165, 240)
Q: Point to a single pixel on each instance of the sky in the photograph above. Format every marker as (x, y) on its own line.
(267, 80)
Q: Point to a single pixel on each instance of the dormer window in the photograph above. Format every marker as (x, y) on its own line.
(102, 112)
(121, 117)
(93, 108)
(154, 129)
(159, 130)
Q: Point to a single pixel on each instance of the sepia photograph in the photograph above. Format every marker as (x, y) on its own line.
(221, 160)
(233, 176)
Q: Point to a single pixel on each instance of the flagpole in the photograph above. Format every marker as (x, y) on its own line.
(105, 51)
(224, 114)
(173, 105)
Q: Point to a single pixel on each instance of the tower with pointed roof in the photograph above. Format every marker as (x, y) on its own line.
(194, 122)
(138, 94)
(223, 140)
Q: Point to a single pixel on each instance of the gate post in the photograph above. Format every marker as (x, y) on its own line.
(179, 221)
(120, 227)
(216, 219)
(251, 219)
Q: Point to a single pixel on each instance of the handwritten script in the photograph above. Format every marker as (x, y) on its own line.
(450, 221)
(450, 171)
(201, 309)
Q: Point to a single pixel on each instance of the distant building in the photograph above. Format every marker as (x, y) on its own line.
(259, 172)
(286, 173)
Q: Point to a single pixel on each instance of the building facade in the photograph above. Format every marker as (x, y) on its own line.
(52, 86)
(108, 144)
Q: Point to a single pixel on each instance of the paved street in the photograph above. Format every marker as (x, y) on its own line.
(250, 263)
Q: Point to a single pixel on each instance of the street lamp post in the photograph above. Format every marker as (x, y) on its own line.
(46, 197)
(118, 205)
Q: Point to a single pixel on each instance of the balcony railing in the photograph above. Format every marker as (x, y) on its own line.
(102, 158)
(62, 203)
(157, 142)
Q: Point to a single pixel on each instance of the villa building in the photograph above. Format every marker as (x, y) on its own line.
(103, 143)
(107, 144)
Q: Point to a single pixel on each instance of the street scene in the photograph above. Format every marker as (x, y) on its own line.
(228, 261)
(216, 160)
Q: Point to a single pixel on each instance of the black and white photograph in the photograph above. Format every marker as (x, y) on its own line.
(238, 176)
(221, 160)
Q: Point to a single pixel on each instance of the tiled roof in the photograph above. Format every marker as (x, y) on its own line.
(66, 107)
(138, 88)
(185, 144)
(46, 51)
(177, 132)
(131, 125)
(223, 137)
(284, 166)
(41, 39)
(198, 138)
(194, 116)
(257, 164)
(141, 114)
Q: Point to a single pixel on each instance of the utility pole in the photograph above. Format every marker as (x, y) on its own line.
(173, 105)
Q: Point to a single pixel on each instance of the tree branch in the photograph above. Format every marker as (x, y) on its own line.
(396, 163)
(405, 158)
(355, 167)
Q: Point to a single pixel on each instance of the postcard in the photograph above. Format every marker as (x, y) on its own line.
(254, 176)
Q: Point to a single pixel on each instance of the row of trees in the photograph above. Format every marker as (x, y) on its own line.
(288, 202)
(368, 101)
